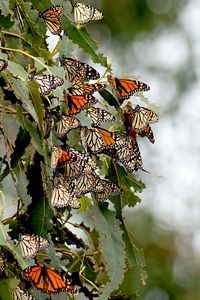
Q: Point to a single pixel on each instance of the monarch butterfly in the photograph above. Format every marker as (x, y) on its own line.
(20, 294)
(138, 119)
(133, 161)
(110, 189)
(47, 83)
(126, 87)
(63, 193)
(47, 280)
(3, 64)
(148, 132)
(52, 17)
(65, 124)
(86, 183)
(30, 244)
(75, 68)
(98, 139)
(84, 13)
(76, 103)
(61, 156)
(142, 116)
(80, 88)
(99, 115)
(126, 151)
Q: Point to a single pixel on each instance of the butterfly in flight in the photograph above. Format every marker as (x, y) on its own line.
(84, 13)
(63, 193)
(20, 294)
(47, 83)
(75, 68)
(124, 88)
(47, 280)
(52, 16)
(99, 115)
(30, 244)
(3, 64)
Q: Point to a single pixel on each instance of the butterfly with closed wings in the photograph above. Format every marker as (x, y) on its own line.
(52, 16)
(30, 244)
(110, 189)
(20, 294)
(63, 192)
(47, 83)
(84, 13)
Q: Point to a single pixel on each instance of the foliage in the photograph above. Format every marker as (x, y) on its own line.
(108, 251)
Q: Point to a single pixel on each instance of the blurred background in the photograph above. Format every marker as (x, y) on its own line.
(159, 42)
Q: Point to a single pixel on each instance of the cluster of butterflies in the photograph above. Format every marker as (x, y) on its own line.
(43, 278)
(75, 172)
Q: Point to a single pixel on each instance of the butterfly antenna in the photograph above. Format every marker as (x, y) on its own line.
(155, 174)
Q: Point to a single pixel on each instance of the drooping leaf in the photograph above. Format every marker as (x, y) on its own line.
(112, 246)
(84, 40)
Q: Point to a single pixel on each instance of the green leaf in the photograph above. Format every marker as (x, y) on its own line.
(112, 246)
(134, 255)
(21, 187)
(32, 130)
(3, 234)
(22, 93)
(83, 39)
(6, 288)
(39, 107)
(85, 203)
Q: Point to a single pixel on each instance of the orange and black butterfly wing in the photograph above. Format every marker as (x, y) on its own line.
(126, 87)
(52, 17)
(77, 102)
(148, 132)
(44, 279)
